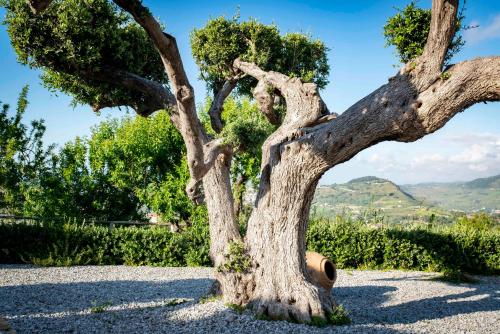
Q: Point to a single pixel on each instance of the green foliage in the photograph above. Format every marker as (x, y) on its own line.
(408, 30)
(445, 76)
(338, 317)
(22, 155)
(126, 168)
(62, 254)
(237, 260)
(99, 308)
(239, 115)
(455, 276)
(352, 244)
(143, 158)
(349, 244)
(305, 58)
(222, 40)
(55, 244)
(478, 221)
(75, 37)
(236, 308)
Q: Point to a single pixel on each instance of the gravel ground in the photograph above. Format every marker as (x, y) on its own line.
(119, 299)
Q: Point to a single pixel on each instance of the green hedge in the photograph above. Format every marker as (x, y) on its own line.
(349, 244)
(454, 248)
(77, 244)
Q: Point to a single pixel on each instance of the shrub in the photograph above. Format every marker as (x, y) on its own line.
(56, 244)
(350, 244)
(355, 245)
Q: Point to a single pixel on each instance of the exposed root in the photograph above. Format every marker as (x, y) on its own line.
(302, 303)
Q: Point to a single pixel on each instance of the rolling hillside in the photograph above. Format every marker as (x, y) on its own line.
(418, 202)
(369, 195)
(479, 194)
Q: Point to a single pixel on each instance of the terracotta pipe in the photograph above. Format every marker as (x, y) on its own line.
(321, 269)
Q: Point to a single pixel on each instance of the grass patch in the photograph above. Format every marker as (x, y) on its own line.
(338, 317)
(99, 308)
(236, 308)
(175, 301)
(209, 299)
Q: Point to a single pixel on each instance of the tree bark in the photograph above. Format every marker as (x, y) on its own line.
(276, 241)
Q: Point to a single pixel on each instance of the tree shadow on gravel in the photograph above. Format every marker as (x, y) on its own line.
(64, 308)
(366, 304)
(79, 296)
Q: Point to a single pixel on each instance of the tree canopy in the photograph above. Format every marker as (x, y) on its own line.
(78, 43)
(222, 40)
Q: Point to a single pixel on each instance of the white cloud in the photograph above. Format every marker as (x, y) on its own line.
(482, 156)
(474, 138)
(483, 32)
(383, 161)
(474, 154)
(442, 158)
(426, 159)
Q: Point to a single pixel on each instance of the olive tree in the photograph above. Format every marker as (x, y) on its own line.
(118, 54)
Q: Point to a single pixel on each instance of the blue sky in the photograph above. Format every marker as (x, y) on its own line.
(466, 148)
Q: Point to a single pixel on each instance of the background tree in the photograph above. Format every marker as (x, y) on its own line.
(127, 168)
(266, 268)
(22, 155)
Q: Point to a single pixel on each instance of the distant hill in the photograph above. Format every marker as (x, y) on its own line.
(479, 194)
(409, 202)
(368, 194)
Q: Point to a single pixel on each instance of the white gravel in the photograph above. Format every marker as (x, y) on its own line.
(166, 300)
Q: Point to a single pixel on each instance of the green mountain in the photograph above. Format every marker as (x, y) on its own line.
(480, 194)
(417, 202)
(372, 195)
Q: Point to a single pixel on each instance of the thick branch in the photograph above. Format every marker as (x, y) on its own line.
(190, 127)
(212, 151)
(264, 96)
(156, 95)
(166, 46)
(275, 79)
(399, 111)
(304, 105)
(218, 104)
(441, 33)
